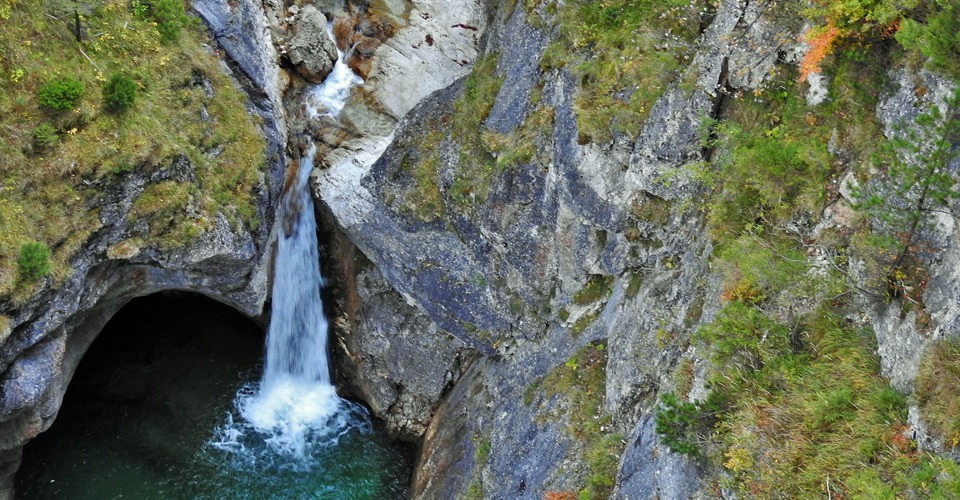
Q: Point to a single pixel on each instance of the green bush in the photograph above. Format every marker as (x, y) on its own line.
(119, 93)
(61, 94)
(34, 261)
(766, 179)
(938, 39)
(682, 426)
(168, 14)
(832, 408)
(603, 460)
(867, 483)
(44, 136)
(860, 16)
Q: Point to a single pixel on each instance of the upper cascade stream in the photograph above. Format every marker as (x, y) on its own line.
(330, 97)
(294, 408)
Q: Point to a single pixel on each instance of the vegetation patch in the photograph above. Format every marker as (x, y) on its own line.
(61, 147)
(938, 390)
(651, 208)
(45, 137)
(927, 28)
(119, 93)
(765, 179)
(61, 94)
(594, 293)
(634, 284)
(425, 199)
(684, 427)
(168, 16)
(474, 490)
(476, 165)
(597, 289)
(481, 443)
(582, 382)
(34, 261)
(624, 53)
(582, 323)
(818, 400)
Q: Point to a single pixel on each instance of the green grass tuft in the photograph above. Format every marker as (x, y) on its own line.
(938, 390)
(625, 54)
(582, 382)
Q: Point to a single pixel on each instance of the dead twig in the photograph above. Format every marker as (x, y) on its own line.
(88, 58)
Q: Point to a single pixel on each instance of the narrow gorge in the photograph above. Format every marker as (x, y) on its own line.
(571, 249)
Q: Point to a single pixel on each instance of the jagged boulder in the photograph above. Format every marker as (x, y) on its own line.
(311, 50)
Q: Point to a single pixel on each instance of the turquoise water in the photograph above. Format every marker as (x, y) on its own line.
(148, 400)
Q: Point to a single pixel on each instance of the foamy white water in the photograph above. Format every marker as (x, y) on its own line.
(294, 410)
(330, 97)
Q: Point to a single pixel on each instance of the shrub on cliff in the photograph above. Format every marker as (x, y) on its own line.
(61, 94)
(914, 190)
(34, 261)
(684, 427)
(119, 93)
(44, 136)
(938, 38)
(168, 14)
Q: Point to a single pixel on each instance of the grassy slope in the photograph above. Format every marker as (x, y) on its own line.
(806, 408)
(44, 191)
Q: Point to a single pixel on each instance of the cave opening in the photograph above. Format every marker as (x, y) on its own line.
(146, 404)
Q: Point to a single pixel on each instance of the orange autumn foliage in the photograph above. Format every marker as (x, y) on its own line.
(560, 495)
(821, 43)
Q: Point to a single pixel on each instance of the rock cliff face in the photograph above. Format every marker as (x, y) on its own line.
(511, 278)
(580, 244)
(520, 327)
(499, 281)
(49, 333)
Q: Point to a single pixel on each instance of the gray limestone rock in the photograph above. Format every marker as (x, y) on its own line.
(401, 363)
(649, 470)
(311, 50)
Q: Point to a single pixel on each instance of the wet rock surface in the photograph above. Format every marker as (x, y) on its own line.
(311, 50)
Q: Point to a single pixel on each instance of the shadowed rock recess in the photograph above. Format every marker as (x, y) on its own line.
(583, 249)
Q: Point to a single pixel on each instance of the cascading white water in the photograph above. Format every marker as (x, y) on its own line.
(296, 405)
(330, 97)
(294, 408)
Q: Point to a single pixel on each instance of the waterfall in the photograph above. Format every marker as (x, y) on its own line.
(330, 97)
(294, 409)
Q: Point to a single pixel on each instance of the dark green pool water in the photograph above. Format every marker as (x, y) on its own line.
(145, 404)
